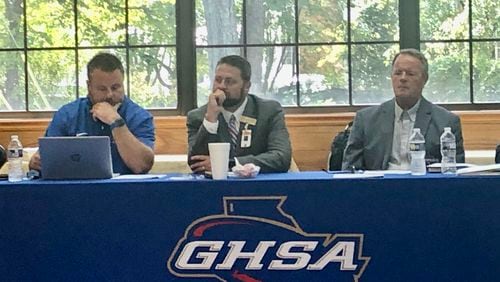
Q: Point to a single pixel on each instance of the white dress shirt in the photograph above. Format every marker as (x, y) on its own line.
(404, 121)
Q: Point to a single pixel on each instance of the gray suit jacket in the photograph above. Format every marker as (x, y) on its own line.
(370, 142)
(270, 143)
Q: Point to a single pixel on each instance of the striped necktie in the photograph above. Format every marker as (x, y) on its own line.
(233, 132)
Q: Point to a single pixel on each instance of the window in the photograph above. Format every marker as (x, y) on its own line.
(497, 51)
(459, 38)
(303, 53)
(311, 55)
(45, 46)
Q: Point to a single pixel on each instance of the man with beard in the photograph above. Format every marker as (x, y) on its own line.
(379, 136)
(260, 135)
(106, 111)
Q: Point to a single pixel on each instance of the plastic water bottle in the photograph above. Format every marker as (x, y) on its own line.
(15, 157)
(448, 152)
(417, 152)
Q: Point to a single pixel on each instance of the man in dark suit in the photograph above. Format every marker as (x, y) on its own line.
(379, 136)
(259, 136)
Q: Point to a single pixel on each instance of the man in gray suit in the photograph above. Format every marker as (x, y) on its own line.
(379, 136)
(259, 136)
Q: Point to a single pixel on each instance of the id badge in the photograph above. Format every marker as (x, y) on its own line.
(246, 138)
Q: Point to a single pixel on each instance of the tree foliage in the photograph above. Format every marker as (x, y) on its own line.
(450, 74)
(323, 67)
(311, 51)
(55, 58)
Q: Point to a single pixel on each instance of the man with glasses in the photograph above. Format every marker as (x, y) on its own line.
(379, 136)
(254, 127)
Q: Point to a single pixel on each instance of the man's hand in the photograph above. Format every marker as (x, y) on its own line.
(202, 163)
(214, 106)
(35, 162)
(104, 112)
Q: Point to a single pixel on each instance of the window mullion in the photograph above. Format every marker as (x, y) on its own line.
(186, 55)
(409, 21)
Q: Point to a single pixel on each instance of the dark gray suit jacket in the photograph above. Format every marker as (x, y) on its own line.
(270, 148)
(370, 142)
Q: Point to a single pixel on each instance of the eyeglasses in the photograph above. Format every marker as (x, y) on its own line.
(228, 81)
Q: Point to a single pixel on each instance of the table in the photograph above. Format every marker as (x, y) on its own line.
(278, 227)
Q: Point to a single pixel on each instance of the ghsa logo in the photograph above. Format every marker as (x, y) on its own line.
(255, 240)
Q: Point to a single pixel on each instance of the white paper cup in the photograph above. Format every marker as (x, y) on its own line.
(219, 159)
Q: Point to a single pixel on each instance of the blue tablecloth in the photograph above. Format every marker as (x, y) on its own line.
(296, 227)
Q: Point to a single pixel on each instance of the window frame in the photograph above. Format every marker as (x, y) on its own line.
(409, 37)
(127, 47)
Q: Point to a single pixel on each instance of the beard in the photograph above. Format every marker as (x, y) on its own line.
(112, 101)
(231, 102)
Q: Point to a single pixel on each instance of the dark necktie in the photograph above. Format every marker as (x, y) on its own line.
(233, 132)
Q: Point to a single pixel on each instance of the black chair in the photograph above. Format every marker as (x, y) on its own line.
(497, 154)
(339, 143)
(3, 156)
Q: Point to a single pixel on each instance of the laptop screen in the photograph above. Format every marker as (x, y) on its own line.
(86, 157)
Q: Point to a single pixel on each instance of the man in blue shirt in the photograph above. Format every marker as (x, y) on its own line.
(106, 111)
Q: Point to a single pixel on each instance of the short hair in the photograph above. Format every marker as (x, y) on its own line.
(238, 62)
(106, 62)
(415, 54)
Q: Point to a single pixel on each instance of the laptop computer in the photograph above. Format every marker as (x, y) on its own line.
(86, 157)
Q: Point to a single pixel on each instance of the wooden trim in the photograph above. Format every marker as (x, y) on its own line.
(311, 134)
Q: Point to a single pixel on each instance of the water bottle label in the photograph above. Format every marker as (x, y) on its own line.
(417, 147)
(449, 146)
(15, 153)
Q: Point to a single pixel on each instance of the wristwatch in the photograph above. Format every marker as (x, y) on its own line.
(119, 122)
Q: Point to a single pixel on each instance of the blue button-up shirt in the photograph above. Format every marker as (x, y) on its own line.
(75, 119)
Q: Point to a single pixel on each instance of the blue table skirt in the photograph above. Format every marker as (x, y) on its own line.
(399, 228)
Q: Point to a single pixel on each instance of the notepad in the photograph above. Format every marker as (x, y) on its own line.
(480, 169)
(436, 167)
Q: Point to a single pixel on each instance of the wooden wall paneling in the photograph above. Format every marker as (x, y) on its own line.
(28, 130)
(311, 135)
(480, 130)
(171, 135)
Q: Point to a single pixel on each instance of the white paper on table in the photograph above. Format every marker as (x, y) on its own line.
(356, 175)
(139, 176)
(384, 172)
(480, 169)
(436, 167)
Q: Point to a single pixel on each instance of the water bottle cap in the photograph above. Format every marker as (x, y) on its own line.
(13, 137)
(447, 129)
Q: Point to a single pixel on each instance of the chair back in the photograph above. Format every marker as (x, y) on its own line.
(3, 156)
(497, 154)
(339, 143)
